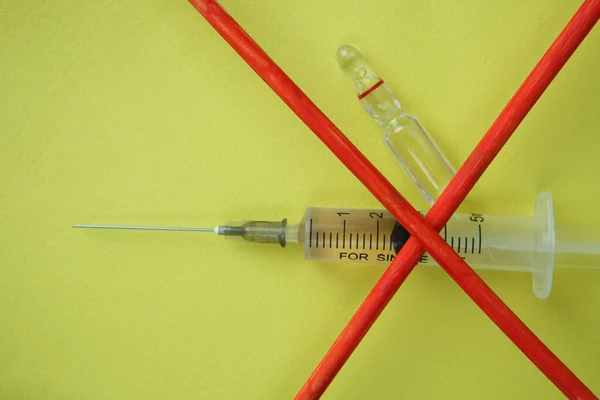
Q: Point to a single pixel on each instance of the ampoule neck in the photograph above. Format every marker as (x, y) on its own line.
(376, 96)
(382, 104)
(392, 119)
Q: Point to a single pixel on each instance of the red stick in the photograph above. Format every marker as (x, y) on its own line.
(406, 214)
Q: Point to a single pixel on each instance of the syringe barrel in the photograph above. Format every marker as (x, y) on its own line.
(374, 236)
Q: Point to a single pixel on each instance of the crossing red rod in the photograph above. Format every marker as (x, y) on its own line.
(466, 177)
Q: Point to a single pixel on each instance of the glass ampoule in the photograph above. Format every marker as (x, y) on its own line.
(402, 133)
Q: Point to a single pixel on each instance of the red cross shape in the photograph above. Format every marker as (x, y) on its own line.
(424, 231)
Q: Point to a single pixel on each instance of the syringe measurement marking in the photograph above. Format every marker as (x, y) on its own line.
(353, 243)
(349, 236)
(464, 248)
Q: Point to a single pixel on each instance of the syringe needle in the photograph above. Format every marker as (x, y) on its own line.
(144, 228)
(251, 231)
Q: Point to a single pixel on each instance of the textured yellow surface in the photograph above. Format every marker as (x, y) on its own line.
(134, 112)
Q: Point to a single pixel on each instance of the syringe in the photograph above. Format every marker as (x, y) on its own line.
(506, 243)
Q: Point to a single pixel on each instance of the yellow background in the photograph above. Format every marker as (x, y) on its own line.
(137, 112)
